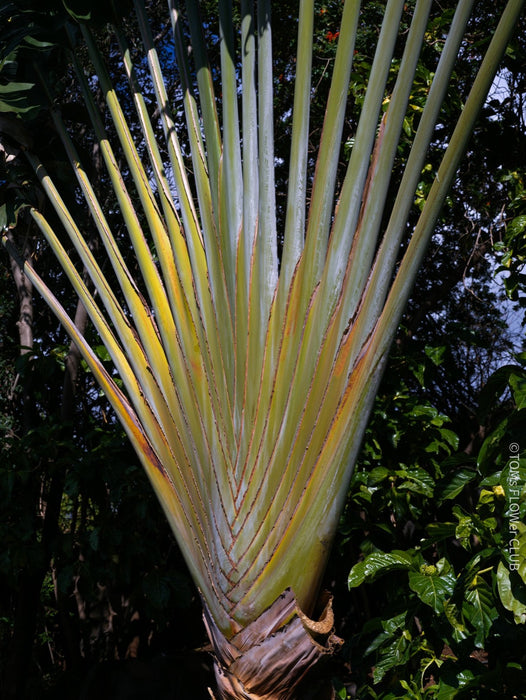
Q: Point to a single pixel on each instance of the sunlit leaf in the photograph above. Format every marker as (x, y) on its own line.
(380, 563)
(433, 588)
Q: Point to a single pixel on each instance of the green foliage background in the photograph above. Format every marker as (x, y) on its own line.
(442, 601)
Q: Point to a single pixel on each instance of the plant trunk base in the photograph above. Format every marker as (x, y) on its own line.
(268, 659)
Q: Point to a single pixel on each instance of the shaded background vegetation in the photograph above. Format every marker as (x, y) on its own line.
(95, 600)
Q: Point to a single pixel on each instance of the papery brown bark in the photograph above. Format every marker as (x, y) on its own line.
(271, 657)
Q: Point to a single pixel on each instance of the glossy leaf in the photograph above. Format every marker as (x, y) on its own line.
(480, 609)
(453, 485)
(433, 588)
(512, 593)
(379, 563)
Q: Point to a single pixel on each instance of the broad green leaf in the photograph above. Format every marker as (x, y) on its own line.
(516, 226)
(481, 560)
(102, 353)
(495, 386)
(429, 412)
(516, 548)
(512, 593)
(390, 628)
(377, 642)
(452, 613)
(412, 692)
(395, 654)
(450, 437)
(379, 563)
(440, 531)
(377, 475)
(486, 497)
(493, 480)
(518, 389)
(479, 609)
(17, 98)
(451, 486)
(435, 354)
(465, 527)
(417, 480)
(15, 88)
(432, 587)
(419, 372)
(7, 216)
(37, 44)
(452, 680)
(395, 623)
(490, 445)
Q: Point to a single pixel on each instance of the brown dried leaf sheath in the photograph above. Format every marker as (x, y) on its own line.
(268, 659)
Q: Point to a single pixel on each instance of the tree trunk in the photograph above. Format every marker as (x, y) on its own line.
(271, 657)
(32, 576)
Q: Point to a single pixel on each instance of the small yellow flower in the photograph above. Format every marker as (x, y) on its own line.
(499, 492)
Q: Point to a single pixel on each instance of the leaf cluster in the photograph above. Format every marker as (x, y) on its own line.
(440, 586)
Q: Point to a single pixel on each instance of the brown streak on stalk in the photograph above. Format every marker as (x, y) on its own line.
(346, 345)
(371, 171)
(263, 435)
(331, 325)
(262, 372)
